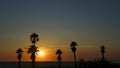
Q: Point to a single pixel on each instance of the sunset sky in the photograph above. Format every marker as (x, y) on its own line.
(91, 23)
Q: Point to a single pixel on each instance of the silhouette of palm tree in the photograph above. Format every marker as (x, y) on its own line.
(102, 51)
(19, 51)
(33, 49)
(59, 52)
(73, 48)
(34, 38)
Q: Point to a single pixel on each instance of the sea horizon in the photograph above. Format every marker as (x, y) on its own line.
(38, 64)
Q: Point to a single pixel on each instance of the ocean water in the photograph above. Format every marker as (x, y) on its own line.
(37, 65)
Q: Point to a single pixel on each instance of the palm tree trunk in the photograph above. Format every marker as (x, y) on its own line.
(103, 58)
(75, 60)
(33, 59)
(59, 64)
(19, 63)
(33, 63)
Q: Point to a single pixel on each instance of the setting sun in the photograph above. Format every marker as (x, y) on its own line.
(41, 53)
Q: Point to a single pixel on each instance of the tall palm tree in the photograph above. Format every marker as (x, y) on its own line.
(33, 49)
(102, 52)
(73, 48)
(19, 52)
(59, 52)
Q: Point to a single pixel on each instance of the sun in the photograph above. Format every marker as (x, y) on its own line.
(41, 53)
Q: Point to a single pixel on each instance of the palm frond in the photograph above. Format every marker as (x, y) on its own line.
(73, 44)
(32, 49)
(19, 50)
(58, 51)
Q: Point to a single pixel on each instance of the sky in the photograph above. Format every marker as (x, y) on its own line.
(90, 23)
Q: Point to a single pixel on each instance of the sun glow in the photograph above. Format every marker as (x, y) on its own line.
(41, 53)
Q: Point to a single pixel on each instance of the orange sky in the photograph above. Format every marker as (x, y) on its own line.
(83, 52)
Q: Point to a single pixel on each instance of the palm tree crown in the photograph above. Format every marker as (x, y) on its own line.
(59, 52)
(73, 44)
(102, 49)
(32, 50)
(19, 51)
(34, 38)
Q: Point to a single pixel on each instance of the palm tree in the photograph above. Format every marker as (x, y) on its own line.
(33, 49)
(102, 52)
(19, 52)
(59, 52)
(73, 48)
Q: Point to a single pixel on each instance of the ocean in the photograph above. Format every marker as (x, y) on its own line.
(37, 65)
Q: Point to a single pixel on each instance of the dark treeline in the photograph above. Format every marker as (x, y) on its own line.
(97, 64)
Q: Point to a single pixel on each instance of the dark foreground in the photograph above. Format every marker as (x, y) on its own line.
(55, 65)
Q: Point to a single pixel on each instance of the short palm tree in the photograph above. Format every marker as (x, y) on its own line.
(59, 52)
(102, 52)
(19, 52)
(73, 48)
(33, 49)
